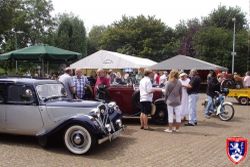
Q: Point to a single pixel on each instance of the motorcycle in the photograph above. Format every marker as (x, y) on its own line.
(223, 109)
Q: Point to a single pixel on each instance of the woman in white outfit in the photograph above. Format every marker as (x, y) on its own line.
(184, 100)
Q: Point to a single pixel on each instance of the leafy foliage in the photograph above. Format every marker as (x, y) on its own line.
(29, 22)
(222, 17)
(71, 34)
(212, 43)
(141, 36)
(94, 38)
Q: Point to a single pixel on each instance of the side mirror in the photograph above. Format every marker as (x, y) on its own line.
(27, 95)
(28, 92)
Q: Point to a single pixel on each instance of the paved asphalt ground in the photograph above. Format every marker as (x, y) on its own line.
(200, 146)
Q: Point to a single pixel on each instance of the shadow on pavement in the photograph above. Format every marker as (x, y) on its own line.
(181, 132)
(107, 150)
(18, 140)
(214, 124)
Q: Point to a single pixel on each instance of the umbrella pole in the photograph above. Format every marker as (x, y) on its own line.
(47, 67)
(42, 68)
(16, 67)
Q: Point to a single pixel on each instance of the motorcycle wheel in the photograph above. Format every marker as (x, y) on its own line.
(227, 112)
(161, 115)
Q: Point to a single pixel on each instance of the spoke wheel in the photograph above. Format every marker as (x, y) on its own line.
(227, 112)
(78, 140)
(161, 115)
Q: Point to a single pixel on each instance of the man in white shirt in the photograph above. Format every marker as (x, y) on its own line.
(246, 80)
(146, 97)
(68, 83)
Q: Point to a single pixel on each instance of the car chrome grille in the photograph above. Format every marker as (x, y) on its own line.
(104, 118)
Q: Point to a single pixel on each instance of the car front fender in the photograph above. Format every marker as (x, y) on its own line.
(87, 121)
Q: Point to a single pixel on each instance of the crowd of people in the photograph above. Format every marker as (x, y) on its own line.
(76, 85)
(181, 91)
(76, 82)
(181, 95)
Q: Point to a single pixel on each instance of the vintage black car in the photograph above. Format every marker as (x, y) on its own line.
(39, 107)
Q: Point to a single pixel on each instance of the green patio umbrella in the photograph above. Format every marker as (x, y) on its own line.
(41, 53)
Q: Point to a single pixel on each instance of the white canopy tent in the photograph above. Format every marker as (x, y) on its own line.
(111, 60)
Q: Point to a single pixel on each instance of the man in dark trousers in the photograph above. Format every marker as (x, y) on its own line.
(212, 86)
(193, 90)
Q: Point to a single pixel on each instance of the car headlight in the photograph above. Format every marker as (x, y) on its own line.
(112, 104)
(102, 108)
(119, 122)
(108, 127)
(96, 112)
(102, 111)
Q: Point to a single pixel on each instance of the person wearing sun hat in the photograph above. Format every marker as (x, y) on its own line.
(184, 100)
(146, 97)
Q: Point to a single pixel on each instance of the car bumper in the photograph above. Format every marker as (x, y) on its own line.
(112, 136)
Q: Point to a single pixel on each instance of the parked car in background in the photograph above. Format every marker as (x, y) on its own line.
(127, 97)
(40, 108)
(241, 95)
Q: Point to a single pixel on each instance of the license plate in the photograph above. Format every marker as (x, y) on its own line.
(116, 134)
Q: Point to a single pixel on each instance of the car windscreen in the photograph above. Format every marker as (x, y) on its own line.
(46, 91)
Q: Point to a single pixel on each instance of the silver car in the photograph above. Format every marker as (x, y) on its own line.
(38, 107)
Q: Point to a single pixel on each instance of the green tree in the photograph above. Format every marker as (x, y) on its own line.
(39, 19)
(213, 42)
(242, 57)
(71, 34)
(30, 17)
(7, 14)
(141, 36)
(222, 17)
(94, 38)
(185, 33)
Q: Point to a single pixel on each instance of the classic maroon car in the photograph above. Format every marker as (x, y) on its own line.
(128, 99)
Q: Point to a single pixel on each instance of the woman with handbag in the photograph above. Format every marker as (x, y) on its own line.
(173, 95)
